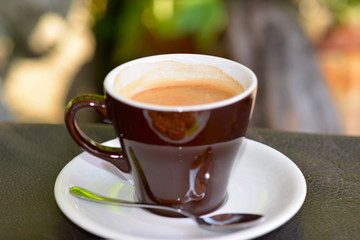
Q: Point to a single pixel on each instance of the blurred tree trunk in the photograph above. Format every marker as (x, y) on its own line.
(266, 36)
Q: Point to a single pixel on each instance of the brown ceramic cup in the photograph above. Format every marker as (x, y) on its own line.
(187, 168)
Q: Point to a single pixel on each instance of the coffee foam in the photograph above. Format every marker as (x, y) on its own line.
(141, 76)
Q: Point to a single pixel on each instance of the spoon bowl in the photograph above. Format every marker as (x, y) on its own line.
(225, 221)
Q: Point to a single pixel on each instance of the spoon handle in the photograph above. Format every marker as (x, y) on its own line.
(94, 197)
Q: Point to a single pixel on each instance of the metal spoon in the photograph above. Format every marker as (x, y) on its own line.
(225, 221)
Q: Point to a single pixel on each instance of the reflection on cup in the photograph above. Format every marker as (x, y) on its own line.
(176, 127)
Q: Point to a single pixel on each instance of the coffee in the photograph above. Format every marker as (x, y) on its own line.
(173, 83)
(185, 94)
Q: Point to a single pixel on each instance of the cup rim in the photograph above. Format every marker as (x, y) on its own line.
(111, 76)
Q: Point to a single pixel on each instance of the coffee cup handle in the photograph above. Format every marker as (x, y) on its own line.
(111, 154)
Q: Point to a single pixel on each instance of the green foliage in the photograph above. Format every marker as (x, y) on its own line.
(344, 11)
(121, 26)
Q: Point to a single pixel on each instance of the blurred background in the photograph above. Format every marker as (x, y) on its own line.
(306, 53)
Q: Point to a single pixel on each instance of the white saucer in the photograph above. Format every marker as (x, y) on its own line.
(264, 181)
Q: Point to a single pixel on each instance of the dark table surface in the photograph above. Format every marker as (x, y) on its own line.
(32, 155)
